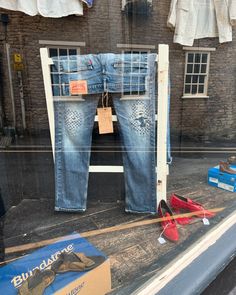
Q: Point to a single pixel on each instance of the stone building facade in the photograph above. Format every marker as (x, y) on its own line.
(104, 28)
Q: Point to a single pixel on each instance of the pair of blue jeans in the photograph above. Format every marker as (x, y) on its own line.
(74, 120)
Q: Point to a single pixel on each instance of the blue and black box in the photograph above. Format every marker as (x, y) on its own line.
(222, 180)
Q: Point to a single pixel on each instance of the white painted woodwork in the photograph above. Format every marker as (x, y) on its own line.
(162, 107)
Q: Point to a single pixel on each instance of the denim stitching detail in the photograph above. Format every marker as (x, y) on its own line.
(141, 118)
(73, 120)
(58, 152)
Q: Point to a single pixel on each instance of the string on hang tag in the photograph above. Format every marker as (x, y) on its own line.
(105, 124)
(205, 220)
(105, 97)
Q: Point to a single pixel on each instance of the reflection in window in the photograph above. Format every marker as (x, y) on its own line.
(196, 73)
(134, 73)
(59, 87)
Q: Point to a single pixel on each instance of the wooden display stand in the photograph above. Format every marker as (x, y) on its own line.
(162, 106)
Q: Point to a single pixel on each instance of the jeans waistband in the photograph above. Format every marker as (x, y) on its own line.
(117, 73)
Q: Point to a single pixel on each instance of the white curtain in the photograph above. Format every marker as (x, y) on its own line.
(46, 8)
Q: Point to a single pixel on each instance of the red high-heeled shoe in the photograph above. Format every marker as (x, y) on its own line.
(168, 224)
(179, 202)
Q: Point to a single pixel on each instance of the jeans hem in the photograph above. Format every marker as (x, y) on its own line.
(69, 209)
(140, 212)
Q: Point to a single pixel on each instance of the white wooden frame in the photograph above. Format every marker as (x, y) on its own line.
(162, 107)
(57, 43)
(198, 50)
(163, 73)
(135, 46)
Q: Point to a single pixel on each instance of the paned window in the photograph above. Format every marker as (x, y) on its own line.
(134, 72)
(196, 73)
(59, 87)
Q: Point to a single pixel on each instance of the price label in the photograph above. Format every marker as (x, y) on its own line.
(78, 87)
(206, 221)
(161, 240)
(105, 123)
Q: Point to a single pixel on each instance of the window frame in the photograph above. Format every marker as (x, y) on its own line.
(126, 96)
(194, 50)
(58, 47)
(60, 44)
(134, 48)
(205, 74)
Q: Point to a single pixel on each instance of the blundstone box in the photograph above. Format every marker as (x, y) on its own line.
(14, 277)
(222, 180)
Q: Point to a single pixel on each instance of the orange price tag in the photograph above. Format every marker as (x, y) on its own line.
(78, 87)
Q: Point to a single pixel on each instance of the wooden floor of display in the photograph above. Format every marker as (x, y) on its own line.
(129, 240)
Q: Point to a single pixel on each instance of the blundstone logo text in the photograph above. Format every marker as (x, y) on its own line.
(18, 280)
(76, 290)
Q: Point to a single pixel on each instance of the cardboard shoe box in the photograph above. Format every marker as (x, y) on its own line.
(222, 180)
(94, 282)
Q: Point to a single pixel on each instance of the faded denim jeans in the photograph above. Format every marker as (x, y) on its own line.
(74, 120)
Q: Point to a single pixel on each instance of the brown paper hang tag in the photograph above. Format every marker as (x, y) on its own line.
(105, 124)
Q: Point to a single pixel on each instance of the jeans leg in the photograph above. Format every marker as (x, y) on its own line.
(73, 134)
(136, 119)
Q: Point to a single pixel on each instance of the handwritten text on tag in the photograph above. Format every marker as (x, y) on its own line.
(105, 123)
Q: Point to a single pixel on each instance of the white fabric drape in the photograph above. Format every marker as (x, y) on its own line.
(196, 19)
(46, 8)
(232, 12)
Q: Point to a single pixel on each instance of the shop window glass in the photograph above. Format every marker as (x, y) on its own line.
(66, 169)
